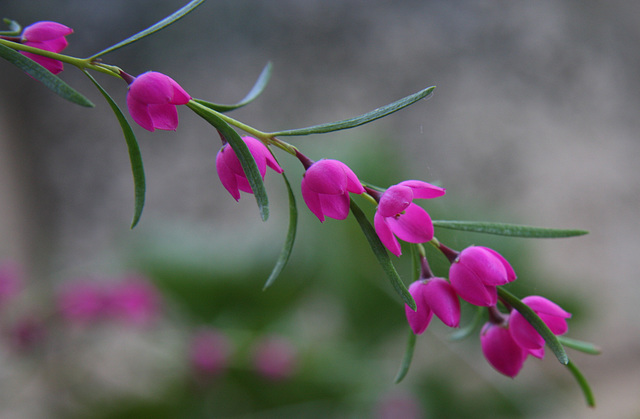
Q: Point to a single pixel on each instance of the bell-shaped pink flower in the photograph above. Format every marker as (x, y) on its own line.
(209, 352)
(476, 272)
(275, 358)
(549, 312)
(325, 188)
(152, 100)
(134, 301)
(502, 352)
(230, 170)
(432, 296)
(398, 216)
(49, 36)
(83, 302)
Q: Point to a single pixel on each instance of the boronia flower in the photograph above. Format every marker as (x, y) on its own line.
(48, 36)
(432, 296)
(325, 188)
(231, 172)
(152, 100)
(476, 272)
(499, 348)
(549, 312)
(398, 216)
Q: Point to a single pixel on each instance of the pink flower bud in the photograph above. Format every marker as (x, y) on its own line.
(325, 188)
(476, 273)
(49, 36)
(209, 352)
(152, 100)
(135, 301)
(432, 296)
(230, 170)
(398, 216)
(502, 352)
(550, 313)
(275, 358)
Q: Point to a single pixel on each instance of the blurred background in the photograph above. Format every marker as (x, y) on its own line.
(533, 121)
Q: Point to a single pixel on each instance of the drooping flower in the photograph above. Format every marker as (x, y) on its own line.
(398, 216)
(476, 272)
(432, 296)
(152, 100)
(48, 36)
(209, 352)
(230, 170)
(325, 188)
(275, 358)
(502, 352)
(549, 312)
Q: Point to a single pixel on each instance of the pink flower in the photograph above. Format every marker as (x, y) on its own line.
(152, 100)
(476, 272)
(134, 301)
(325, 188)
(82, 302)
(49, 36)
(209, 352)
(432, 296)
(549, 312)
(230, 170)
(502, 352)
(275, 358)
(398, 216)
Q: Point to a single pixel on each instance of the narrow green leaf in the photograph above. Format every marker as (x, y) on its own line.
(535, 321)
(135, 157)
(359, 120)
(255, 91)
(503, 229)
(407, 358)
(242, 151)
(179, 14)
(583, 383)
(464, 332)
(291, 236)
(578, 345)
(14, 28)
(47, 78)
(381, 254)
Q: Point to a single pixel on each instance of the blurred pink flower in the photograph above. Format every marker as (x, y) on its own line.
(476, 272)
(49, 36)
(152, 100)
(275, 358)
(325, 188)
(10, 281)
(230, 170)
(134, 301)
(398, 216)
(399, 405)
(551, 314)
(432, 296)
(209, 351)
(26, 333)
(83, 302)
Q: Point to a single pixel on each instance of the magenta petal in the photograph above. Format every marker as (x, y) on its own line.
(543, 306)
(502, 352)
(386, 235)
(489, 269)
(139, 113)
(538, 353)
(511, 275)
(164, 117)
(152, 87)
(226, 175)
(54, 66)
(335, 206)
(470, 288)
(420, 318)
(395, 200)
(327, 177)
(414, 226)
(45, 30)
(523, 333)
(423, 190)
(353, 183)
(259, 152)
(312, 199)
(179, 96)
(443, 300)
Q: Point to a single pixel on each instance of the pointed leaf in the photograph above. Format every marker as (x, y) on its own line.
(152, 29)
(242, 151)
(578, 345)
(135, 157)
(407, 358)
(381, 254)
(535, 321)
(47, 78)
(291, 236)
(255, 91)
(583, 383)
(503, 229)
(359, 120)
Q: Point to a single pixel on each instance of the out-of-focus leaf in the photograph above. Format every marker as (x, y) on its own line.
(578, 345)
(359, 120)
(503, 229)
(47, 78)
(135, 157)
(255, 91)
(583, 383)
(407, 358)
(177, 15)
(463, 332)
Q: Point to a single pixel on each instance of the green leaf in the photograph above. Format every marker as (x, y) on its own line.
(407, 358)
(291, 236)
(242, 151)
(359, 120)
(47, 78)
(578, 345)
(535, 321)
(14, 28)
(135, 157)
(255, 91)
(179, 14)
(503, 229)
(464, 332)
(381, 254)
(583, 383)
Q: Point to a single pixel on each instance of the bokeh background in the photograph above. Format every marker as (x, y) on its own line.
(534, 121)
